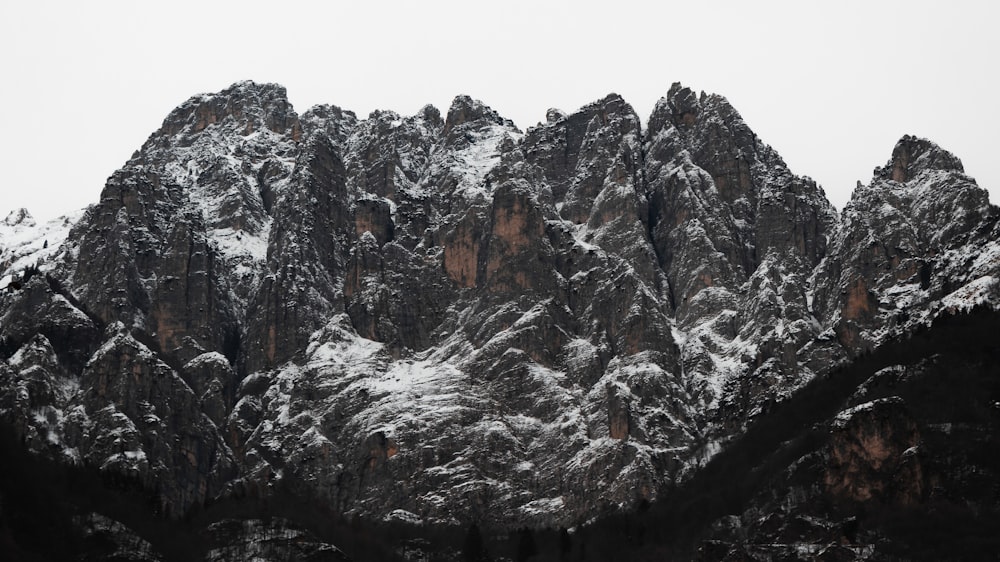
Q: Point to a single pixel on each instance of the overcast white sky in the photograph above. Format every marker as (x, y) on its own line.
(831, 86)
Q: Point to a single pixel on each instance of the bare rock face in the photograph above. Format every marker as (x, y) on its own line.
(737, 236)
(912, 238)
(303, 282)
(122, 416)
(898, 472)
(450, 320)
(872, 445)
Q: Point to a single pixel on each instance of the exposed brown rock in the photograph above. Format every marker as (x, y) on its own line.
(461, 250)
(868, 459)
(517, 227)
(618, 415)
(860, 304)
(375, 216)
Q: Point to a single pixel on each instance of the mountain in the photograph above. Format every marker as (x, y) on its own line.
(447, 325)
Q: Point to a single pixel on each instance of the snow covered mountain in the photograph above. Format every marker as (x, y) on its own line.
(447, 320)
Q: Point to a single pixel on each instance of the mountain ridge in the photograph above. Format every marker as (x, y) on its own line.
(451, 320)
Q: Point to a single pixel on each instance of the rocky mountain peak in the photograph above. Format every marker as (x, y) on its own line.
(613, 106)
(912, 155)
(465, 109)
(249, 107)
(614, 100)
(431, 114)
(336, 122)
(553, 114)
(19, 217)
(683, 105)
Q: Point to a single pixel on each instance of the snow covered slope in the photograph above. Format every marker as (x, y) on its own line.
(25, 244)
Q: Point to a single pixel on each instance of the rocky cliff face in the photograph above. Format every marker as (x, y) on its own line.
(450, 320)
(905, 469)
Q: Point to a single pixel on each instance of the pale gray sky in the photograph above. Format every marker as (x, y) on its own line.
(831, 86)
